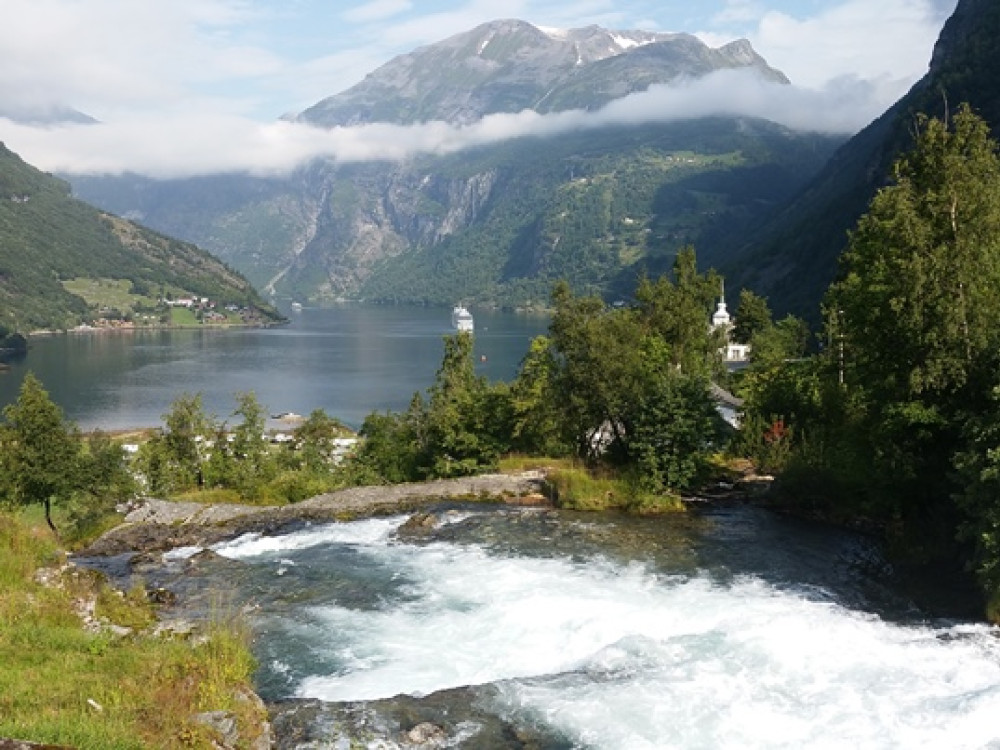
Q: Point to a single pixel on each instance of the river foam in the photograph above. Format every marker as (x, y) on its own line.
(612, 655)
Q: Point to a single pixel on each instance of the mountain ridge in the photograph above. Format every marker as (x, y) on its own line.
(509, 65)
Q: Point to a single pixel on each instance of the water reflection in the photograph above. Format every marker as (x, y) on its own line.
(348, 360)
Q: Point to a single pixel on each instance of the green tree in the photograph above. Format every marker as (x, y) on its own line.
(40, 452)
(672, 426)
(187, 426)
(460, 438)
(252, 458)
(918, 298)
(537, 427)
(633, 383)
(173, 459)
(753, 315)
(390, 451)
(916, 310)
(104, 480)
(314, 440)
(776, 343)
(597, 353)
(678, 311)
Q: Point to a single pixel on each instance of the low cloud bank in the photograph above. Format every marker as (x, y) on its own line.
(186, 145)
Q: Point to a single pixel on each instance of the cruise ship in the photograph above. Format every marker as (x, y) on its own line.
(461, 319)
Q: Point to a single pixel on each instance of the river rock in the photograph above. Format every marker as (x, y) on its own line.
(425, 734)
(532, 499)
(419, 524)
(161, 595)
(223, 723)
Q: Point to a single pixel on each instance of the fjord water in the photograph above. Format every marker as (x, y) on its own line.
(348, 360)
(726, 627)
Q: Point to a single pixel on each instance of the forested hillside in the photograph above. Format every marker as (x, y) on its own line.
(595, 209)
(794, 257)
(48, 238)
(497, 224)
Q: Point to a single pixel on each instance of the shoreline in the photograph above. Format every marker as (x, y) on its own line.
(44, 332)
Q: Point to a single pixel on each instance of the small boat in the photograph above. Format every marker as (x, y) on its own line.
(461, 319)
(296, 307)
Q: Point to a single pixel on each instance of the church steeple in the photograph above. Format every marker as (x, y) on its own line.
(721, 317)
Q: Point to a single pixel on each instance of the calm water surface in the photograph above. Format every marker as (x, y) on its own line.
(348, 360)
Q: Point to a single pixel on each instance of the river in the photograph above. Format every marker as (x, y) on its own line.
(725, 627)
(348, 359)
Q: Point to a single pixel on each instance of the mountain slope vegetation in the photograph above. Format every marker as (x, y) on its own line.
(793, 258)
(48, 238)
(595, 209)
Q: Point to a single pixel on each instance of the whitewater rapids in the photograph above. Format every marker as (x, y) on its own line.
(607, 652)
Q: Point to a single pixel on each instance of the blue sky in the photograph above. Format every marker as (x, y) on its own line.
(189, 86)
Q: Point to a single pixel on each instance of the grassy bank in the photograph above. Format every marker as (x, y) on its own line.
(94, 687)
(574, 486)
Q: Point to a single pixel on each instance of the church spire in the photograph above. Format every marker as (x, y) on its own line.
(721, 317)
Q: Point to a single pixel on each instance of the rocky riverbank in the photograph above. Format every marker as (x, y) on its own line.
(158, 525)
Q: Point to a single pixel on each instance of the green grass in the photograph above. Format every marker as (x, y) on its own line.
(515, 464)
(111, 293)
(181, 316)
(575, 487)
(147, 689)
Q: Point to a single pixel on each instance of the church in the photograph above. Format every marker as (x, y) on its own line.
(733, 353)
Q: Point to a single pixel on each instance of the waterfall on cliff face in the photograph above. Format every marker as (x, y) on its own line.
(604, 651)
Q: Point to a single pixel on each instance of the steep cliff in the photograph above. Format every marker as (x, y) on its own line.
(793, 258)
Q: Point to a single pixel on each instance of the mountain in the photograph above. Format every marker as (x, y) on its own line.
(55, 251)
(52, 115)
(793, 258)
(510, 65)
(495, 224)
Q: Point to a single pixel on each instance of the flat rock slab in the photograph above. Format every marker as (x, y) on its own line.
(158, 525)
(171, 513)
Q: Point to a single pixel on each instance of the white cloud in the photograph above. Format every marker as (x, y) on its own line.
(890, 38)
(191, 86)
(108, 56)
(208, 143)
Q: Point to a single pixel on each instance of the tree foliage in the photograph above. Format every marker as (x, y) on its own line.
(916, 312)
(623, 385)
(918, 299)
(460, 428)
(40, 452)
(47, 237)
(901, 407)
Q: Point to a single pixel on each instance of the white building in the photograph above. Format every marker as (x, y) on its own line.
(733, 353)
